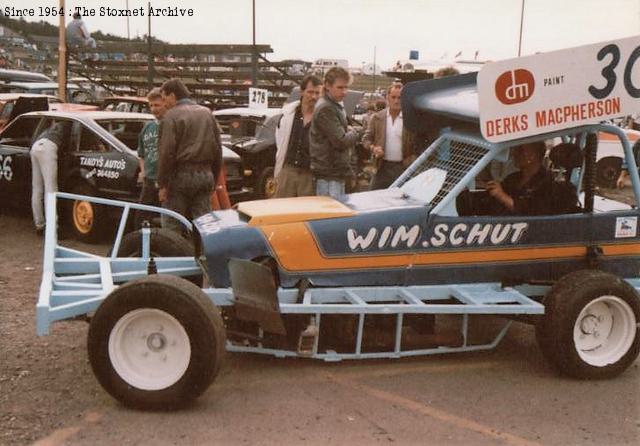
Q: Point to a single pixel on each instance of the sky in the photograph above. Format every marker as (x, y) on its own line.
(357, 29)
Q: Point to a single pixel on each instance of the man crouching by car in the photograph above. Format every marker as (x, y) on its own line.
(190, 155)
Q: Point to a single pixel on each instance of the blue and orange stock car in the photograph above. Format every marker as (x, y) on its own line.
(379, 274)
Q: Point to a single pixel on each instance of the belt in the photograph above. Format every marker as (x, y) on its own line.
(194, 166)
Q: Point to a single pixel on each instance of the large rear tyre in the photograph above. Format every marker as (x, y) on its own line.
(163, 243)
(156, 343)
(589, 330)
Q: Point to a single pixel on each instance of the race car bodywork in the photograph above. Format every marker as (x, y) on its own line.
(382, 274)
(394, 237)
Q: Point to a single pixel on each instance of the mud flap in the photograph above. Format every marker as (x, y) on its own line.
(256, 296)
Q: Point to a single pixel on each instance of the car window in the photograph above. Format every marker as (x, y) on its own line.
(66, 131)
(126, 130)
(20, 132)
(90, 142)
(445, 167)
(6, 110)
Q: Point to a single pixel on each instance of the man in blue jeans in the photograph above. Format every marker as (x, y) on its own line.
(331, 140)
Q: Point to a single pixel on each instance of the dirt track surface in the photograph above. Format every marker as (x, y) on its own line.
(48, 395)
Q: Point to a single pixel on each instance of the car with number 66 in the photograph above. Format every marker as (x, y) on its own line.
(98, 158)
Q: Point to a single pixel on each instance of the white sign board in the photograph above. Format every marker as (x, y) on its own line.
(258, 98)
(560, 89)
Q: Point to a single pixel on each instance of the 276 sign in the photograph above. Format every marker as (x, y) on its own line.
(258, 98)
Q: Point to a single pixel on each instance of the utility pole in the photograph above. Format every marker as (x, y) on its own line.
(521, 22)
(150, 69)
(374, 69)
(254, 52)
(62, 57)
(127, 7)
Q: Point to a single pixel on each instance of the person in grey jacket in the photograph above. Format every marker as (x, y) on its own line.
(189, 155)
(330, 138)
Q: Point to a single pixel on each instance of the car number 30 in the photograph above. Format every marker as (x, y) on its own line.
(6, 173)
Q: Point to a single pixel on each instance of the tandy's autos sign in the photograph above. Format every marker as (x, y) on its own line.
(546, 92)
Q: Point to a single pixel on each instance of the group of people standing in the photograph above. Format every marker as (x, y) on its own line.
(315, 141)
(180, 154)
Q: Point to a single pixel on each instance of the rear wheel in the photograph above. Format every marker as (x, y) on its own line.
(156, 343)
(87, 221)
(589, 330)
(163, 243)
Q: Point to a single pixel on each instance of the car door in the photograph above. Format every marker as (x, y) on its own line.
(15, 162)
(371, 248)
(99, 164)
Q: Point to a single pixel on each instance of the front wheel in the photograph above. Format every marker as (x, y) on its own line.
(266, 184)
(590, 330)
(156, 343)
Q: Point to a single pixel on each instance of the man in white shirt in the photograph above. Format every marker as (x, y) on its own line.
(391, 144)
(77, 34)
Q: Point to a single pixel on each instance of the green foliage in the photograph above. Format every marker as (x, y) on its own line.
(42, 28)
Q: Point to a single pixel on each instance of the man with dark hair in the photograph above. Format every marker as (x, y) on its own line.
(392, 145)
(331, 140)
(190, 154)
(292, 171)
(529, 191)
(148, 153)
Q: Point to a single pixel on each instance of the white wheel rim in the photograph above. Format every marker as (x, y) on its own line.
(149, 349)
(604, 331)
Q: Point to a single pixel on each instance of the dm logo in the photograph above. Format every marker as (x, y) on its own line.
(515, 86)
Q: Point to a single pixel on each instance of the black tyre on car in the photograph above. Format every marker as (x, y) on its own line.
(156, 343)
(266, 183)
(590, 326)
(163, 243)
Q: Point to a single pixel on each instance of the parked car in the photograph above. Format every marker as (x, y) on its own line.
(15, 104)
(22, 76)
(98, 158)
(75, 93)
(351, 278)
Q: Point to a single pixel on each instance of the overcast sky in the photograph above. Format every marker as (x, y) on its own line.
(349, 29)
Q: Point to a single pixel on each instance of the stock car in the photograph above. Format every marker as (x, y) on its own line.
(352, 277)
(251, 134)
(98, 158)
